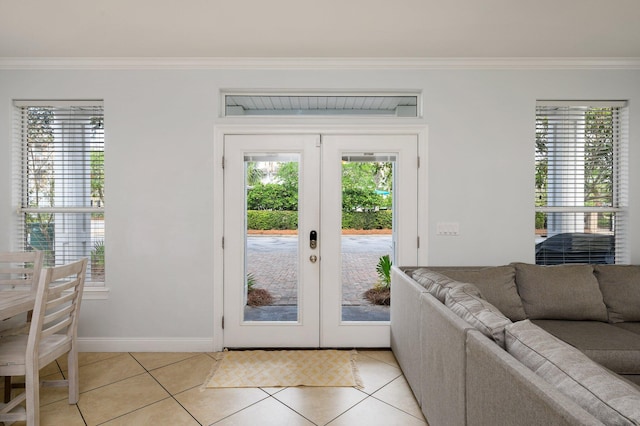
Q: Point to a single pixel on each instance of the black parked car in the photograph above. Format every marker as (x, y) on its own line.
(576, 247)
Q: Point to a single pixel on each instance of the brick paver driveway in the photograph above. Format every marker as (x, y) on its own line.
(272, 260)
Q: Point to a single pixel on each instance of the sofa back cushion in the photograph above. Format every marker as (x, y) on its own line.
(497, 285)
(566, 292)
(478, 312)
(620, 287)
(439, 285)
(607, 397)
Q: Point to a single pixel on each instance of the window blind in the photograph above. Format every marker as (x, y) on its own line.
(62, 196)
(581, 184)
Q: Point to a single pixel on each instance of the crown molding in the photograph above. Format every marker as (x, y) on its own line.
(177, 63)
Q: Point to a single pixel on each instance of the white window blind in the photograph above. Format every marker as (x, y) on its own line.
(581, 182)
(61, 155)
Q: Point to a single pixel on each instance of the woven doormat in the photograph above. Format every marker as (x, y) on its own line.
(261, 369)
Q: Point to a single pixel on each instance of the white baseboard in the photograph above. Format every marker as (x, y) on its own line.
(97, 344)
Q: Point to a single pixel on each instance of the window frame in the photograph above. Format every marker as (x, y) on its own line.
(296, 104)
(619, 182)
(65, 160)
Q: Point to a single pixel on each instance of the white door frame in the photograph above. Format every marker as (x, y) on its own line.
(217, 188)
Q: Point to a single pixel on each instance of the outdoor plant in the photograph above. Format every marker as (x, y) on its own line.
(257, 296)
(380, 294)
(97, 259)
(251, 281)
(384, 271)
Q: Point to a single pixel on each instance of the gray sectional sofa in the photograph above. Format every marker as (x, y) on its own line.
(520, 344)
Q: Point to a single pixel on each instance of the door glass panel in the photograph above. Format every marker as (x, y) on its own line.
(367, 236)
(271, 237)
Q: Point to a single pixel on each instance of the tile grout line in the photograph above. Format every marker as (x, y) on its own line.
(366, 394)
(350, 408)
(99, 387)
(397, 408)
(373, 395)
(294, 410)
(146, 372)
(137, 409)
(171, 396)
(244, 408)
(96, 388)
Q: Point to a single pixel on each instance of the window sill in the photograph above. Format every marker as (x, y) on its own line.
(95, 293)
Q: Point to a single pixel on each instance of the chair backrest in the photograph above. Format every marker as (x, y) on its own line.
(58, 302)
(20, 270)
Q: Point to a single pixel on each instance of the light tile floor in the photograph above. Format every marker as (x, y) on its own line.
(166, 389)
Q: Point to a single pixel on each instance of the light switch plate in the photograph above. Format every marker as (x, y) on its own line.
(448, 228)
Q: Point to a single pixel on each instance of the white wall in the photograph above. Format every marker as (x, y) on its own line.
(160, 170)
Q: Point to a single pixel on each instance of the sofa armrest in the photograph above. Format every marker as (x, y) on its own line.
(502, 391)
(405, 327)
(443, 337)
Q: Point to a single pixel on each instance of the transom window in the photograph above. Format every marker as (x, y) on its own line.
(581, 182)
(321, 104)
(62, 196)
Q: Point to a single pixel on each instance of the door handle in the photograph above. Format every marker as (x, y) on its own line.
(313, 239)
(313, 258)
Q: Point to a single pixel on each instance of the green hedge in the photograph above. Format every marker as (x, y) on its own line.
(272, 219)
(367, 220)
(269, 219)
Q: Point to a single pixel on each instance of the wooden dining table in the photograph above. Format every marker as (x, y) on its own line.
(14, 302)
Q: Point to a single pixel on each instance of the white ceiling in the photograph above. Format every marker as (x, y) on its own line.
(320, 28)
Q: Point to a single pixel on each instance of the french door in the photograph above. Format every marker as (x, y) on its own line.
(308, 221)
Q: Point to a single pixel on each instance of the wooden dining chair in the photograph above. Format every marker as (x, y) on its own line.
(19, 270)
(52, 333)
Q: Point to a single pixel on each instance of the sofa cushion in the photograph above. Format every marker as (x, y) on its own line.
(478, 312)
(439, 285)
(620, 287)
(610, 346)
(633, 327)
(599, 391)
(497, 284)
(633, 378)
(568, 292)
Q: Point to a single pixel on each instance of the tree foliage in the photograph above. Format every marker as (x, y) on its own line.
(598, 158)
(40, 157)
(287, 175)
(363, 184)
(97, 176)
(542, 160)
(599, 143)
(254, 174)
